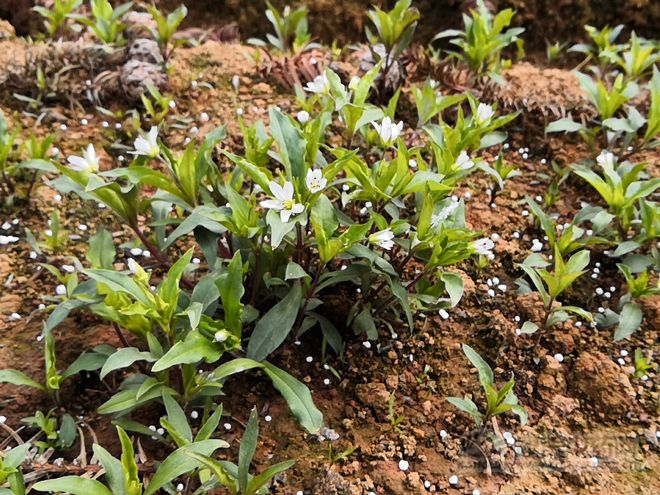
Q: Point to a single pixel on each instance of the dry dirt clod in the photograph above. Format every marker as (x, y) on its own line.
(599, 382)
(374, 395)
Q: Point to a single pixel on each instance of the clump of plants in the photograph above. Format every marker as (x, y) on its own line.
(483, 39)
(498, 401)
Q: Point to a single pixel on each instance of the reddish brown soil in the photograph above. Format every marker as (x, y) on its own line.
(587, 406)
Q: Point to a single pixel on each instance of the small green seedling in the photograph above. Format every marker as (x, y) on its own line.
(156, 105)
(642, 364)
(59, 436)
(567, 238)
(237, 479)
(430, 102)
(483, 39)
(604, 47)
(10, 469)
(122, 475)
(106, 21)
(395, 420)
(166, 26)
(335, 456)
(550, 285)
(394, 32)
(620, 186)
(497, 401)
(291, 30)
(553, 50)
(639, 286)
(55, 18)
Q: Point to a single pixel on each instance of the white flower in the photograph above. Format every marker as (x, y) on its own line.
(60, 290)
(388, 131)
(484, 246)
(484, 113)
(383, 239)
(220, 336)
(147, 144)
(443, 214)
(606, 159)
(235, 82)
(319, 85)
(303, 116)
(403, 465)
(89, 162)
(283, 202)
(463, 162)
(315, 181)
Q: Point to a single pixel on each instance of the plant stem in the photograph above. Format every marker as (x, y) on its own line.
(299, 243)
(120, 334)
(158, 254)
(308, 296)
(412, 283)
(372, 293)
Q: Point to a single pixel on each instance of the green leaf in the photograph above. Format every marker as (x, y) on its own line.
(230, 286)
(89, 360)
(629, 321)
(290, 143)
(271, 330)
(247, 449)
(62, 311)
(529, 327)
(278, 228)
(297, 396)
(114, 472)
(324, 222)
(467, 406)
(578, 262)
(169, 289)
(364, 324)
(125, 400)
(119, 282)
(485, 372)
(234, 366)
(75, 485)
(262, 478)
(16, 456)
(19, 378)
(125, 357)
(129, 467)
(179, 463)
(195, 348)
(101, 252)
(211, 424)
(218, 469)
(624, 248)
(177, 418)
(564, 125)
(294, 271)
(453, 286)
(521, 412)
(582, 313)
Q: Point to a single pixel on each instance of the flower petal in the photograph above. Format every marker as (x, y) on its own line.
(272, 204)
(277, 191)
(288, 190)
